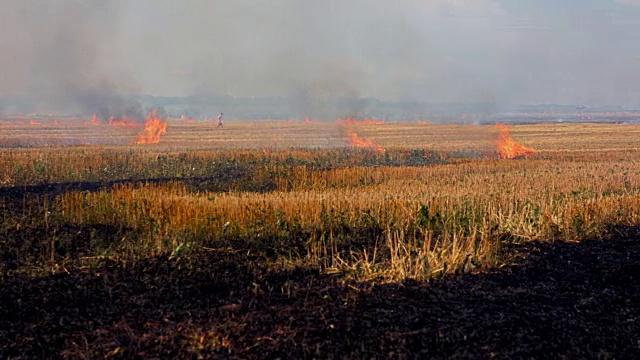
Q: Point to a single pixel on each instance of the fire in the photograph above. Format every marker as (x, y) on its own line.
(125, 120)
(154, 127)
(357, 141)
(307, 120)
(34, 122)
(352, 120)
(508, 148)
(186, 119)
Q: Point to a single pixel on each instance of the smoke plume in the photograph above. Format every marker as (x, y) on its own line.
(63, 54)
(322, 57)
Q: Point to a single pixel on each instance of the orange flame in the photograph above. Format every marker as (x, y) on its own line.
(125, 120)
(357, 141)
(185, 119)
(34, 122)
(154, 127)
(352, 120)
(508, 148)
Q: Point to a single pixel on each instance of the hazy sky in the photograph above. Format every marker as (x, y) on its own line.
(503, 51)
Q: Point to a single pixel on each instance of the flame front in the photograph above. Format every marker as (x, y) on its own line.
(154, 127)
(357, 141)
(184, 118)
(125, 120)
(508, 148)
(352, 120)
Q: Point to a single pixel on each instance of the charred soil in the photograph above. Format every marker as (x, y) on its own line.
(571, 300)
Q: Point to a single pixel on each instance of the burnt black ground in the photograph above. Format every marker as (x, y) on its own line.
(563, 300)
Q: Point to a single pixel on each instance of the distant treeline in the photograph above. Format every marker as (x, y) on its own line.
(320, 109)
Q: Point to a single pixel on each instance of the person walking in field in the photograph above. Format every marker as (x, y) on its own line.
(220, 120)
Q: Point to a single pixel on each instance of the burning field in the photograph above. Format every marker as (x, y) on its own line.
(509, 148)
(356, 238)
(51, 130)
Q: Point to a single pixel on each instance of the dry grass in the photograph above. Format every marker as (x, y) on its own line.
(393, 222)
(437, 201)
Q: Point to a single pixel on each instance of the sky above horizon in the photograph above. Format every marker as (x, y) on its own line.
(495, 51)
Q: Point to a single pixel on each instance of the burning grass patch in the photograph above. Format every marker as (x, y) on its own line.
(154, 252)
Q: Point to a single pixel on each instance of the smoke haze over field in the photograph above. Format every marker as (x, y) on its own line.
(83, 56)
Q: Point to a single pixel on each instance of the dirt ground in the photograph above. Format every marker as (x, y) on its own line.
(561, 300)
